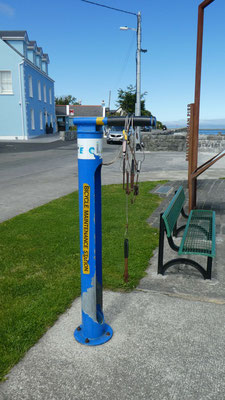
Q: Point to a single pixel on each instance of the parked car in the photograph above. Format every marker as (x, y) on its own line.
(115, 134)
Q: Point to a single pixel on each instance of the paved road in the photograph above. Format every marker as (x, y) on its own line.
(31, 174)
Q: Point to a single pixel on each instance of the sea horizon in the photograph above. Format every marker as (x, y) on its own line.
(203, 131)
(210, 124)
(210, 131)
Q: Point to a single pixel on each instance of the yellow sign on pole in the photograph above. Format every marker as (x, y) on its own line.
(86, 227)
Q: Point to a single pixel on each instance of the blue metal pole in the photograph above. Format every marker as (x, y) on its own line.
(93, 330)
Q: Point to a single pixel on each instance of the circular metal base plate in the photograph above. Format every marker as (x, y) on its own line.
(78, 334)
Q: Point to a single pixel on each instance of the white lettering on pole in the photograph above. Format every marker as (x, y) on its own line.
(89, 149)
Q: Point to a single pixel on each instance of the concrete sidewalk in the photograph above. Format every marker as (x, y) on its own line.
(45, 138)
(168, 340)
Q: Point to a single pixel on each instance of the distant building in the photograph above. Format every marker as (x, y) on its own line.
(117, 112)
(66, 113)
(26, 91)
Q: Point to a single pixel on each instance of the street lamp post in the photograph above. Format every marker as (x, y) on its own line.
(138, 55)
(138, 69)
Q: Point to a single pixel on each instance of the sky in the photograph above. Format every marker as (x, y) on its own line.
(90, 57)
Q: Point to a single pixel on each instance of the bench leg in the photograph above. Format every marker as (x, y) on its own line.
(209, 267)
(161, 245)
(177, 230)
(185, 261)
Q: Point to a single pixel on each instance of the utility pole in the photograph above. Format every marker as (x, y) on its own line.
(138, 58)
(138, 77)
(138, 68)
(109, 100)
(138, 72)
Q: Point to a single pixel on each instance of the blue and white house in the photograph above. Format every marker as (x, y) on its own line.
(27, 105)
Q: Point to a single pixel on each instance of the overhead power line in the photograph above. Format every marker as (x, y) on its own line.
(111, 8)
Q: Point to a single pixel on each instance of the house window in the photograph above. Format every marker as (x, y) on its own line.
(50, 96)
(6, 82)
(32, 119)
(46, 117)
(51, 119)
(38, 62)
(39, 90)
(41, 120)
(30, 86)
(45, 96)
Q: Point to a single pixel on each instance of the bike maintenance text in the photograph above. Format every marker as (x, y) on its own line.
(86, 227)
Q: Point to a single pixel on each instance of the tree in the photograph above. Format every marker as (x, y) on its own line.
(127, 99)
(159, 125)
(66, 100)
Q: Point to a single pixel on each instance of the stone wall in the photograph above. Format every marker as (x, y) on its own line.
(211, 143)
(176, 141)
(161, 141)
(68, 135)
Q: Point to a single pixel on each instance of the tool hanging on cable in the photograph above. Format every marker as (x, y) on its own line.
(131, 170)
(124, 161)
(132, 175)
(126, 255)
(126, 175)
(136, 186)
(131, 166)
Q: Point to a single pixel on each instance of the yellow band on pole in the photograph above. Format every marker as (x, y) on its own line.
(99, 121)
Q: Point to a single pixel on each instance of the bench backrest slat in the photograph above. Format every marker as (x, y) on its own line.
(172, 212)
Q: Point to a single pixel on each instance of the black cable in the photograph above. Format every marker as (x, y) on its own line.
(111, 8)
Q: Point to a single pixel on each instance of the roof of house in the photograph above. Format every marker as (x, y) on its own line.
(87, 111)
(32, 43)
(22, 35)
(45, 57)
(16, 34)
(80, 111)
(60, 109)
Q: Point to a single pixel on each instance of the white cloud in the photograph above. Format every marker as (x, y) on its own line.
(7, 10)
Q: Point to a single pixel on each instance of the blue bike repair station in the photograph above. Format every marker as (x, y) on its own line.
(94, 330)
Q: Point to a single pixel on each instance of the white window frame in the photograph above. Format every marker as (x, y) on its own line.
(30, 82)
(39, 90)
(41, 120)
(32, 119)
(37, 61)
(45, 93)
(8, 82)
(46, 117)
(50, 95)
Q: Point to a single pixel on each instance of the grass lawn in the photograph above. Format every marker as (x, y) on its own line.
(39, 262)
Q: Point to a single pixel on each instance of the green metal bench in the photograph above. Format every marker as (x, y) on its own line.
(198, 236)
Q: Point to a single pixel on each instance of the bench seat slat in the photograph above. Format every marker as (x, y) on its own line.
(173, 210)
(199, 234)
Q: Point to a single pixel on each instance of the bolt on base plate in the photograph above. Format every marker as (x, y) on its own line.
(105, 337)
